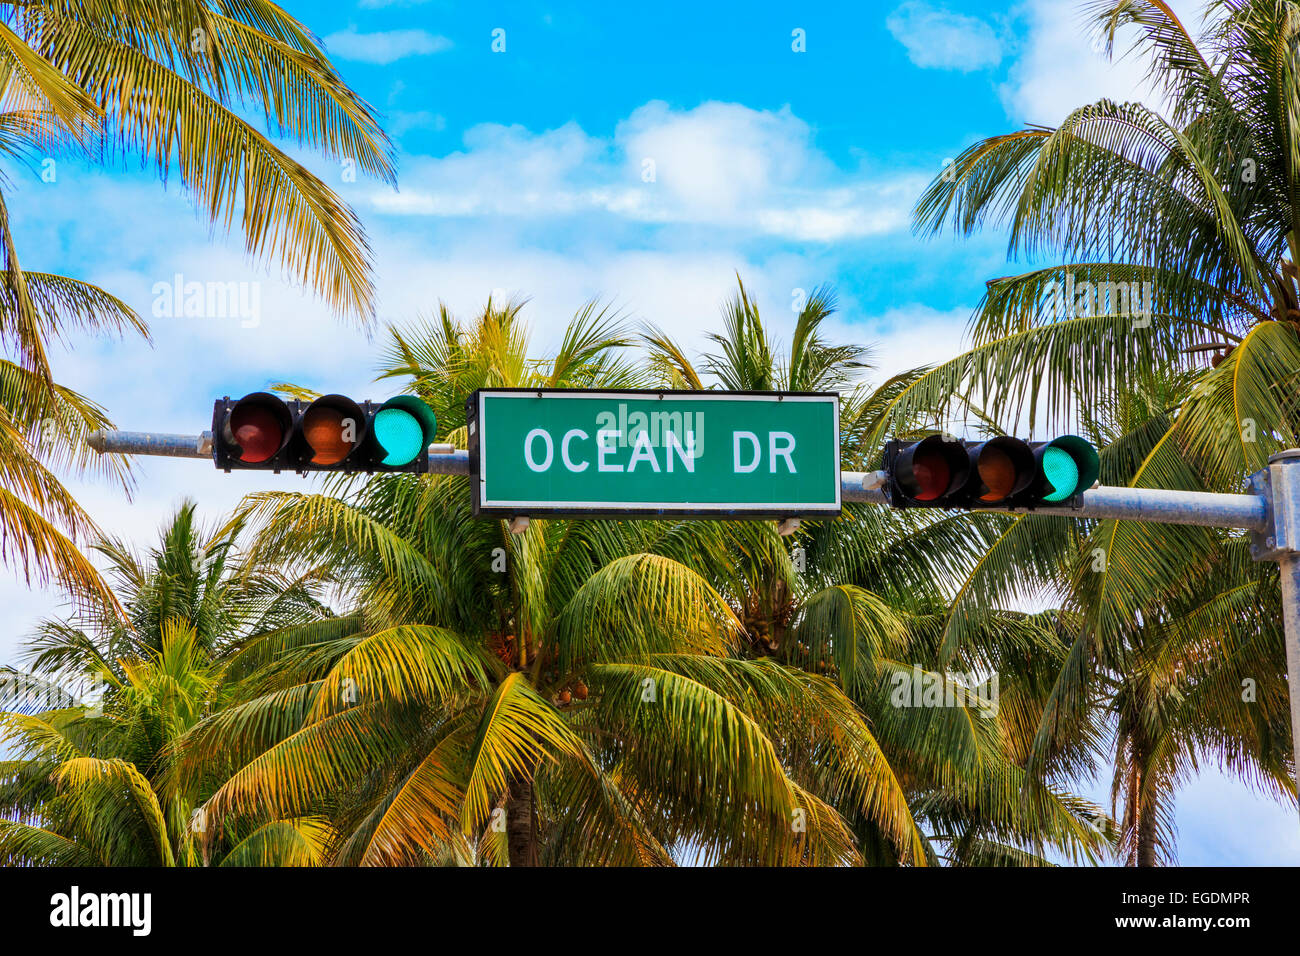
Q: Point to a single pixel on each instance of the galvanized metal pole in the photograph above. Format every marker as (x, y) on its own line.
(1131, 504)
(1206, 509)
(864, 487)
(443, 459)
(1279, 488)
(1289, 568)
(151, 443)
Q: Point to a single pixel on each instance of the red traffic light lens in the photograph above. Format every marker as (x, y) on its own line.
(257, 432)
(932, 474)
(258, 426)
(931, 469)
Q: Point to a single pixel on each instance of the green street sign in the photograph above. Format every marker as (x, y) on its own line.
(639, 453)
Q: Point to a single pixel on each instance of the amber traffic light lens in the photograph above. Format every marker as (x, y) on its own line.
(329, 433)
(998, 474)
(258, 432)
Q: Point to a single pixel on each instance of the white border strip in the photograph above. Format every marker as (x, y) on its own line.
(650, 395)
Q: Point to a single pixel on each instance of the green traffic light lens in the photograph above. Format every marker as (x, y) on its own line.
(400, 434)
(1062, 473)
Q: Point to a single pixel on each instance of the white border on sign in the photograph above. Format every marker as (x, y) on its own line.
(651, 395)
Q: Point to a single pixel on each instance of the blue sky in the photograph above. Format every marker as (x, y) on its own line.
(524, 172)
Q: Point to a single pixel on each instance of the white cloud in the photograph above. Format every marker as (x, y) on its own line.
(401, 122)
(938, 38)
(716, 157)
(384, 46)
(718, 165)
(1216, 829)
(909, 335)
(1061, 67)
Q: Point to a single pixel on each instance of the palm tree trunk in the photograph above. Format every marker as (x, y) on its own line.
(1146, 835)
(521, 824)
(1141, 813)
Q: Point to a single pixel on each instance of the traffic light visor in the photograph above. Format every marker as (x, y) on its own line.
(930, 469)
(1069, 465)
(258, 427)
(332, 427)
(404, 427)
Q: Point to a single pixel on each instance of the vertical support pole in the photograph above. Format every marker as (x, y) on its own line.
(1280, 542)
(1290, 573)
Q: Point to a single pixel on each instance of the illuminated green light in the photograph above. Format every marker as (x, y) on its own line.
(400, 434)
(1062, 473)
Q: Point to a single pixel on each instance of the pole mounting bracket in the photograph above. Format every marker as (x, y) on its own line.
(1279, 486)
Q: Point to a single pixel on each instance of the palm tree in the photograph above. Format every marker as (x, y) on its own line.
(869, 606)
(445, 361)
(89, 782)
(172, 84)
(1174, 245)
(192, 575)
(573, 694)
(1194, 208)
(1199, 675)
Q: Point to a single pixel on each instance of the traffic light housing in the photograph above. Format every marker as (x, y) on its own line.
(1001, 472)
(264, 432)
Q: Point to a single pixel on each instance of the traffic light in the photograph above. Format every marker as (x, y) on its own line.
(333, 433)
(1002, 472)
